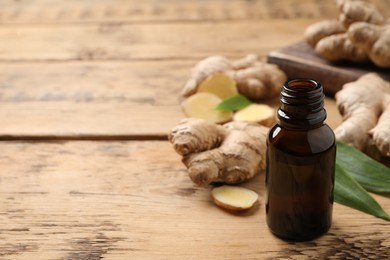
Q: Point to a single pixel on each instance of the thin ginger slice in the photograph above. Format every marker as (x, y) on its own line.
(220, 85)
(259, 113)
(202, 105)
(234, 198)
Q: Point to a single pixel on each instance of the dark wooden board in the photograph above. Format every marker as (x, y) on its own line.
(300, 61)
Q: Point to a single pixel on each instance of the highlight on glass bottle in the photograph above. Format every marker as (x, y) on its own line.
(301, 153)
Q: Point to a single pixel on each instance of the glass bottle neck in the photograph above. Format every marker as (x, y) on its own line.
(302, 104)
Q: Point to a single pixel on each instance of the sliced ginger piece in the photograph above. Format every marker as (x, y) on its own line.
(259, 113)
(202, 105)
(234, 198)
(220, 85)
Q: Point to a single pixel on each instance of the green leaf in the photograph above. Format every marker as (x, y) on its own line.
(372, 175)
(350, 193)
(234, 103)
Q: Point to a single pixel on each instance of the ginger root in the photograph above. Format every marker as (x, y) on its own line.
(374, 40)
(364, 105)
(359, 35)
(254, 79)
(352, 11)
(339, 47)
(234, 198)
(320, 30)
(231, 153)
(218, 76)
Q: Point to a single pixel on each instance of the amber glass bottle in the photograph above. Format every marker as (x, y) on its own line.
(300, 164)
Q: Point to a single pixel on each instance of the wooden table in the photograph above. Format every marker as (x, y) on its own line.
(88, 93)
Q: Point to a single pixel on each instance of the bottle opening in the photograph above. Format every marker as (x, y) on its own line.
(303, 84)
(302, 91)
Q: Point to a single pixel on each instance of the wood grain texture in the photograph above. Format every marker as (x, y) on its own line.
(146, 41)
(95, 121)
(134, 200)
(92, 100)
(111, 71)
(87, 11)
(88, 80)
(99, 121)
(139, 82)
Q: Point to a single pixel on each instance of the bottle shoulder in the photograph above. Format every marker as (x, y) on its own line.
(302, 141)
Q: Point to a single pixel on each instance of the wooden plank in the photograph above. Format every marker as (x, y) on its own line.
(90, 100)
(299, 60)
(97, 121)
(93, 100)
(136, 82)
(87, 11)
(139, 82)
(133, 200)
(146, 41)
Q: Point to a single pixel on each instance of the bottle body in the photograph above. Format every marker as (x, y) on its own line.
(300, 172)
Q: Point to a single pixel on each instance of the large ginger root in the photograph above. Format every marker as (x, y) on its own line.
(255, 79)
(374, 40)
(339, 47)
(336, 40)
(362, 103)
(232, 153)
(320, 30)
(330, 41)
(352, 11)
